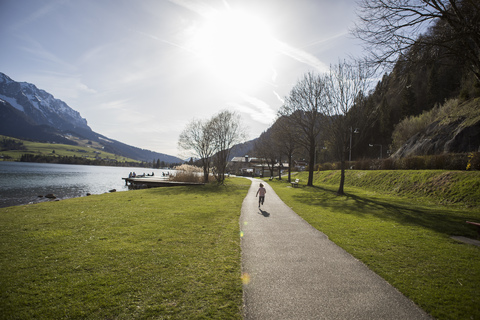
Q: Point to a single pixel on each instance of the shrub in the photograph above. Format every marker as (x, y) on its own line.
(327, 166)
(388, 164)
(412, 125)
(451, 161)
(473, 161)
(436, 161)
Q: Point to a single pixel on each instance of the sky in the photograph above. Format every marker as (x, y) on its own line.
(140, 70)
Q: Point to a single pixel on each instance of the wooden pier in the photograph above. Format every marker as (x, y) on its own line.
(154, 182)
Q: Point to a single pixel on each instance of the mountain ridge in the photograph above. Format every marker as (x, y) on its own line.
(31, 113)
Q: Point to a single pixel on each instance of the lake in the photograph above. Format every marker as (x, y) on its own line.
(23, 182)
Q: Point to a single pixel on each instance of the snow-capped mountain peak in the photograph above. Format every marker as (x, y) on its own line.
(39, 105)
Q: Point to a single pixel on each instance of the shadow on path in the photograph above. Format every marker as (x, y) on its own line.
(264, 213)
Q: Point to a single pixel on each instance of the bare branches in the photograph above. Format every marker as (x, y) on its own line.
(390, 28)
(346, 84)
(304, 108)
(214, 137)
(197, 137)
(226, 131)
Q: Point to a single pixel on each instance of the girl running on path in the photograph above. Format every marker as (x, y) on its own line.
(262, 192)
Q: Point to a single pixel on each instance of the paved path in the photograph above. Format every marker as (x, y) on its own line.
(296, 272)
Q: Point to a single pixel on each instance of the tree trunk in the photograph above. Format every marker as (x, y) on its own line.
(280, 170)
(290, 169)
(311, 165)
(206, 169)
(205, 175)
(342, 177)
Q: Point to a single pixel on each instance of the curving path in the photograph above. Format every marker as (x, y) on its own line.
(296, 272)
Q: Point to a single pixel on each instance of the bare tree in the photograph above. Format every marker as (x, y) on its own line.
(346, 84)
(390, 28)
(286, 137)
(266, 148)
(198, 138)
(304, 108)
(227, 131)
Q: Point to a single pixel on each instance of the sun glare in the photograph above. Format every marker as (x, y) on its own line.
(236, 47)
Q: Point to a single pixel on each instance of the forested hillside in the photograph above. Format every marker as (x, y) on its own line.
(427, 76)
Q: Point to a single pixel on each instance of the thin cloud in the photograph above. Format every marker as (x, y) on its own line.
(43, 55)
(274, 74)
(278, 97)
(194, 6)
(327, 40)
(301, 56)
(173, 44)
(40, 13)
(257, 109)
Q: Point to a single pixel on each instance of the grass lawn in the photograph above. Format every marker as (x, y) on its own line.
(405, 238)
(164, 253)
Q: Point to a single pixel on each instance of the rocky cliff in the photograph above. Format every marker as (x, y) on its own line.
(456, 130)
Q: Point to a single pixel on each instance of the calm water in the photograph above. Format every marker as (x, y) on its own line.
(23, 183)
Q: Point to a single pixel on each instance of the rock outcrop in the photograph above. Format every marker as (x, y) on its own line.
(457, 132)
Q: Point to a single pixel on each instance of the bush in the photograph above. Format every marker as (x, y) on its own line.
(473, 161)
(327, 166)
(454, 161)
(388, 164)
(412, 125)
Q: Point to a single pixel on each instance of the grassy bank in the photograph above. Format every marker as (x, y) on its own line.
(396, 224)
(439, 186)
(164, 253)
(85, 149)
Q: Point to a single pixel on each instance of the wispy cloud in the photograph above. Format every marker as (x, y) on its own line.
(278, 97)
(301, 56)
(173, 44)
(327, 40)
(274, 74)
(40, 13)
(257, 109)
(39, 52)
(66, 86)
(195, 6)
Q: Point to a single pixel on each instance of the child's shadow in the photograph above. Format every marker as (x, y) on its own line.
(264, 213)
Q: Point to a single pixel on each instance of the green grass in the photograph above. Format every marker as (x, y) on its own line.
(83, 150)
(164, 253)
(402, 235)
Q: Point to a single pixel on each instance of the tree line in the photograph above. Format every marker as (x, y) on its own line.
(40, 158)
(11, 144)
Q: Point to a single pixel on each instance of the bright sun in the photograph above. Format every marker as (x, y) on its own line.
(236, 47)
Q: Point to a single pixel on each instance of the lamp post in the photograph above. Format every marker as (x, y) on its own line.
(351, 134)
(377, 145)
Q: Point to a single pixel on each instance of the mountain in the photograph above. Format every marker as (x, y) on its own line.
(27, 112)
(243, 149)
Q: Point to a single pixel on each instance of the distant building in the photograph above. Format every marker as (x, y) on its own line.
(254, 167)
